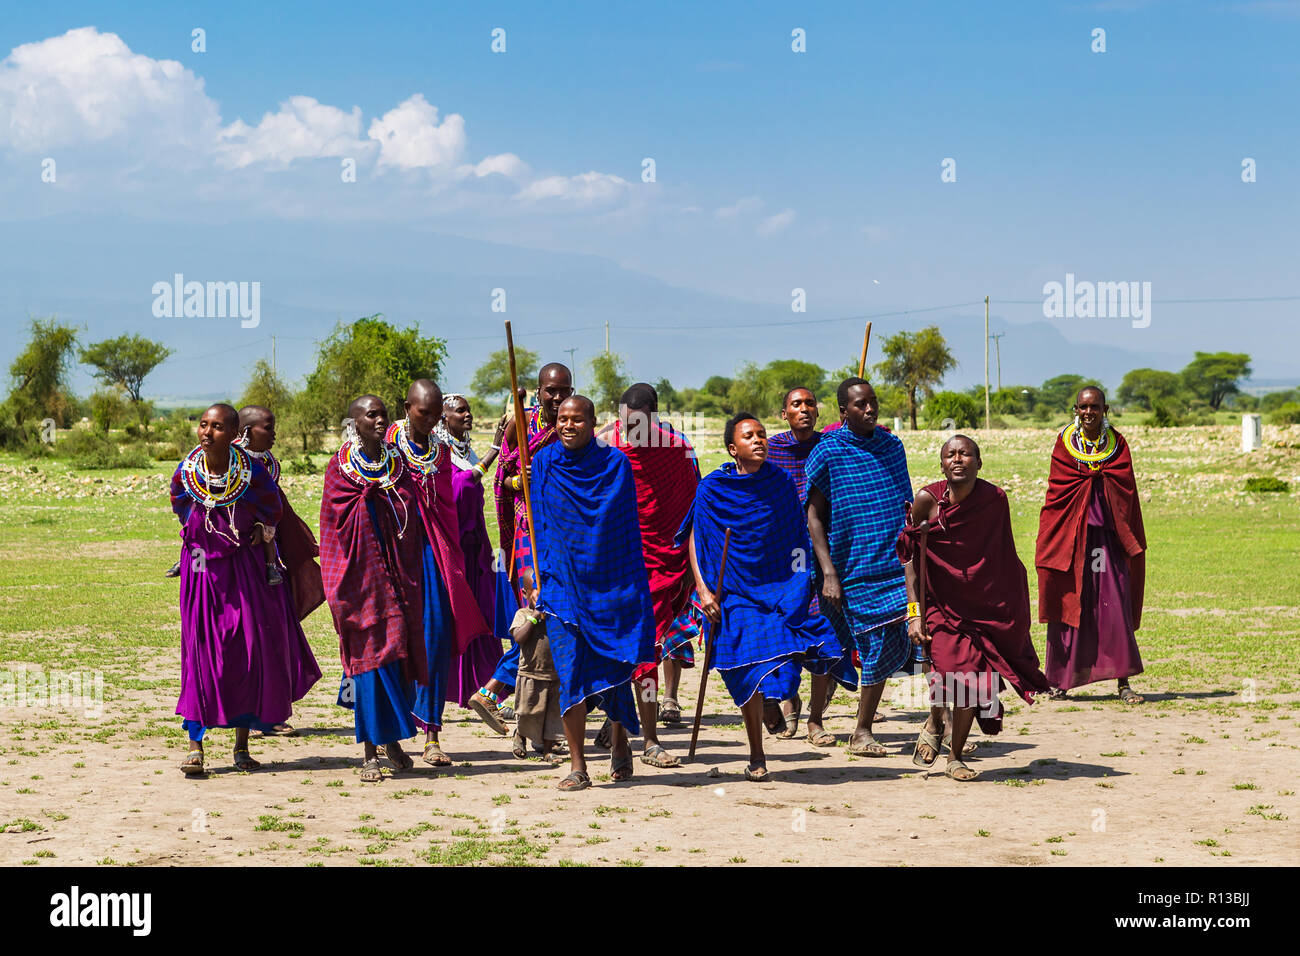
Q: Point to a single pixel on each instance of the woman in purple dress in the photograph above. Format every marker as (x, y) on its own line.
(236, 629)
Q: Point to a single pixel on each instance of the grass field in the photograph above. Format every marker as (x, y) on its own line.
(1204, 772)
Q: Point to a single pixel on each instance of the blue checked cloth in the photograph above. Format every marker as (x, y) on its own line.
(866, 482)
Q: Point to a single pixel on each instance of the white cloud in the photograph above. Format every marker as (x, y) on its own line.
(586, 188)
(147, 121)
(410, 136)
(774, 224)
(87, 86)
(304, 128)
(748, 204)
(504, 164)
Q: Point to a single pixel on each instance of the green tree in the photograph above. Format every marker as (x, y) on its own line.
(916, 362)
(1144, 387)
(1057, 394)
(1271, 401)
(491, 381)
(107, 408)
(266, 388)
(367, 357)
(781, 375)
(953, 410)
(1012, 400)
(125, 362)
(745, 392)
(1213, 376)
(608, 381)
(668, 398)
(39, 375)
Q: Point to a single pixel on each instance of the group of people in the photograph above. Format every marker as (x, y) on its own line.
(806, 552)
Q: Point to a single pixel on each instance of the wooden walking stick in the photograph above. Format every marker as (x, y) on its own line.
(708, 649)
(862, 362)
(521, 443)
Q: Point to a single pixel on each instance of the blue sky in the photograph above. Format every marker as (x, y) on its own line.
(775, 170)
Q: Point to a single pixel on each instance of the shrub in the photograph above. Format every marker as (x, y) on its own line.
(1266, 483)
(1166, 414)
(961, 409)
(1288, 414)
(301, 466)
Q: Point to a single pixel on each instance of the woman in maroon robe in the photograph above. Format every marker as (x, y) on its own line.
(976, 619)
(1091, 555)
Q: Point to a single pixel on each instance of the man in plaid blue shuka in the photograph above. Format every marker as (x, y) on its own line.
(857, 487)
(594, 584)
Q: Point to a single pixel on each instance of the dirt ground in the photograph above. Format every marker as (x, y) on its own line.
(1183, 779)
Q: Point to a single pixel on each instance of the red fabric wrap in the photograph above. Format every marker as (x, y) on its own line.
(298, 551)
(665, 476)
(375, 588)
(442, 527)
(977, 592)
(1063, 530)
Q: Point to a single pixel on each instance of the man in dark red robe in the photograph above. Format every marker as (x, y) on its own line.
(666, 474)
(1091, 555)
(976, 619)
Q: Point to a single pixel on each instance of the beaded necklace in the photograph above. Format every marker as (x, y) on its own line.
(217, 491)
(268, 460)
(384, 473)
(1086, 451)
(424, 462)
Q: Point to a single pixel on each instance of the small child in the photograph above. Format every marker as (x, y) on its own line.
(537, 700)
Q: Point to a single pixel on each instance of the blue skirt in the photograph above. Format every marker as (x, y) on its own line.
(507, 671)
(381, 702)
(439, 633)
(601, 682)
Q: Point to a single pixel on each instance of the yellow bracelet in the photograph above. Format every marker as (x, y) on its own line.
(913, 609)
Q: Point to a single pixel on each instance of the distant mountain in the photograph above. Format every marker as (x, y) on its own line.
(100, 273)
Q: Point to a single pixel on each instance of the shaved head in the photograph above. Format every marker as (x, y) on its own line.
(557, 371)
(228, 412)
(583, 402)
(423, 388)
(253, 414)
(975, 449)
(361, 402)
(1101, 396)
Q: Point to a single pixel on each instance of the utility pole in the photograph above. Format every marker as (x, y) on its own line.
(573, 376)
(273, 355)
(997, 344)
(988, 415)
(606, 338)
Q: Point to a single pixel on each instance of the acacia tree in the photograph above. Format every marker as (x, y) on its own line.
(39, 375)
(491, 381)
(608, 380)
(1213, 376)
(916, 362)
(125, 362)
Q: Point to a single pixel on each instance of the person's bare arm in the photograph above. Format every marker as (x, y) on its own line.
(819, 510)
(922, 510)
(708, 600)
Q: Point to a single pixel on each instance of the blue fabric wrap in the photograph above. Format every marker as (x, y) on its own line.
(768, 582)
(507, 671)
(439, 635)
(381, 699)
(593, 577)
(866, 482)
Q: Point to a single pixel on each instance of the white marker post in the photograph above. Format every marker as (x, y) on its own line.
(1252, 433)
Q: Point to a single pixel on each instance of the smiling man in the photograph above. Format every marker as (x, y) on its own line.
(857, 489)
(593, 583)
(977, 620)
(1091, 554)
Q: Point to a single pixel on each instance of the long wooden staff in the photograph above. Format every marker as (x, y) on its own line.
(862, 362)
(521, 443)
(708, 649)
(920, 590)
